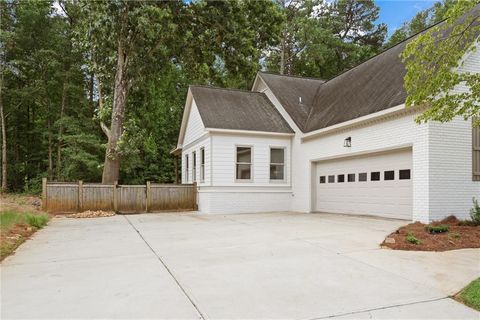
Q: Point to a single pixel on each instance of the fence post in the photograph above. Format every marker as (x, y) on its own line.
(195, 207)
(80, 196)
(147, 201)
(44, 194)
(115, 206)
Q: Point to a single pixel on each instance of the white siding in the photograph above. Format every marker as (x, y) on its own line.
(195, 127)
(202, 143)
(451, 186)
(224, 151)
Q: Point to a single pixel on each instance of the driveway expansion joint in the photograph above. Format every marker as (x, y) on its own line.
(201, 315)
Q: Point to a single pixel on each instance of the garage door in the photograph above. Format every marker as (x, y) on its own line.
(377, 184)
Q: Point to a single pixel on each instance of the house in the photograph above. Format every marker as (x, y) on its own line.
(347, 145)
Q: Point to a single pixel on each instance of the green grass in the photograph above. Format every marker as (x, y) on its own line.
(8, 221)
(9, 218)
(470, 295)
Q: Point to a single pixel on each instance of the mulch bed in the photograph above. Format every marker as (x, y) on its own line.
(459, 236)
(91, 214)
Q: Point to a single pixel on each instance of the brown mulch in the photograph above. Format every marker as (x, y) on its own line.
(91, 214)
(459, 236)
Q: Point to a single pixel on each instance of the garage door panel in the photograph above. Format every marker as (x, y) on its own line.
(388, 198)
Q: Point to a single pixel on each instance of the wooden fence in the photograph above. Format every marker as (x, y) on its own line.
(68, 197)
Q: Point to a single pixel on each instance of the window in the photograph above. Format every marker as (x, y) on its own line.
(186, 168)
(476, 152)
(277, 164)
(331, 179)
(322, 179)
(362, 176)
(341, 178)
(351, 177)
(194, 167)
(202, 164)
(389, 175)
(375, 176)
(404, 174)
(244, 163)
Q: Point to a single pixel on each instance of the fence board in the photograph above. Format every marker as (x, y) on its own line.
(71, 197)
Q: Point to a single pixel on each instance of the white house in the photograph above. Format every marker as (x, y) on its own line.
(346, 145)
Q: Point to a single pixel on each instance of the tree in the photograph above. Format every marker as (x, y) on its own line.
(432, 60)
(421, 21)
(122, 36)
(322, 39)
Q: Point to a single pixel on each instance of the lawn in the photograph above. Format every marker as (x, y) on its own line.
(470, 295)
(18, 221)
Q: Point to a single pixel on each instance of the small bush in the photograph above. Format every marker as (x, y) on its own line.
(475, 212)
(412, 239)
(36, 220)
(436, 229)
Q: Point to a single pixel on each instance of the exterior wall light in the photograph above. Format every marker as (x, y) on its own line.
(347, 143)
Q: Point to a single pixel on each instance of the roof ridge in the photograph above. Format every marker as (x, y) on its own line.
(291, 76)
(224, 89)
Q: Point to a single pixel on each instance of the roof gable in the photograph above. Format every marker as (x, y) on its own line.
(238, 110)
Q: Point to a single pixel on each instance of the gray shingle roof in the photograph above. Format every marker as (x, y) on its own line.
(238, 110)
(288, 90)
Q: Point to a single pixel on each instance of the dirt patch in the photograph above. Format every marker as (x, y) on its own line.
(13, 237)
(458, 236)
(19, 203)
(91, 214)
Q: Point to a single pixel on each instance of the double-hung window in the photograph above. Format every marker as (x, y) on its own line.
(202, 164)
(186, 168)
(194, 167)
(277, 163)
(243, 163)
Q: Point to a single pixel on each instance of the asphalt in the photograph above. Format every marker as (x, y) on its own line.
(251, 266)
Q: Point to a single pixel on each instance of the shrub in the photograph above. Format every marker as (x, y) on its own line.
(475, 212)
(36, 220)
(436, 229)
(412, 239)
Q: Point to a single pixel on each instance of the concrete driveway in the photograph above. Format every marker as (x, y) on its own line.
(190, 266)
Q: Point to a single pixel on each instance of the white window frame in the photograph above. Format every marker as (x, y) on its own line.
(236, 162)
(202, 164)
(194, 166)
(186, 167)
(284, 164)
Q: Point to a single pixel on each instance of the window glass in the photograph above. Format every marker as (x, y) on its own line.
(202, 164)
(194, 168)
(375, 176)
(277, 164)
(331, 179)
(186, 168)
(389, 175)
(362, 176)
(244, 163)
(322, 179)
(351, 177)
(404, 174)
(341, 178)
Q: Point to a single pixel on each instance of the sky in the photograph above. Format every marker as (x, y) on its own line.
(395, 12)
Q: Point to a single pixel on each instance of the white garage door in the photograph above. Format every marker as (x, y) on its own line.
(377, 184)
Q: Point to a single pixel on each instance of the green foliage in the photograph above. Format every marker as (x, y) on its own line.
(475, 212)
(432, 60)
(436, 229)
(410, 237)
(36, 220)
(9, 218)
(470, 295)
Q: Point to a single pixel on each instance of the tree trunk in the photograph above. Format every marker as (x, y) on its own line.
(283, 43)
(4, 141)
(60, 129)
(111, 169)
(50, 151)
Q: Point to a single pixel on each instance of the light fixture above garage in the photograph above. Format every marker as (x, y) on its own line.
(347, 143)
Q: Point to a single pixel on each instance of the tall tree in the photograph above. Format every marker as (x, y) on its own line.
(432, 61)
(122, 36)
(322, 39)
